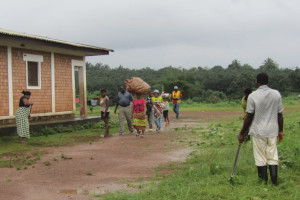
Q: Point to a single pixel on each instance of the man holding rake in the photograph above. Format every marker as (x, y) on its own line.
(264, 117)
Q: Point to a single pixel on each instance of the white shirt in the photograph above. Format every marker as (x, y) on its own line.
(265, 103)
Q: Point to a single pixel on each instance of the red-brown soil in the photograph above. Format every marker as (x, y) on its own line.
(100, 167)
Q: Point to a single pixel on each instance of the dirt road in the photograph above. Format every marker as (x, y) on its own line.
(100, 167)
(106, 165)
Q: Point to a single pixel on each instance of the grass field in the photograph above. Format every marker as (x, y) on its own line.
(10, 145)
(206, 174)
(290, 103)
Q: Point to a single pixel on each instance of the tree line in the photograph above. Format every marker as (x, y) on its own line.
(200, 84)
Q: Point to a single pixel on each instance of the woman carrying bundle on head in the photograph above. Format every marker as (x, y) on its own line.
(22, 116)
(139, 115)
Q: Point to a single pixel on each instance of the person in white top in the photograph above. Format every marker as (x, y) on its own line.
(104, 104)
(265, 119)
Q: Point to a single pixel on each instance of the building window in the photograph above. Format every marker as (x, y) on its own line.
(33, 70)
(33, 74)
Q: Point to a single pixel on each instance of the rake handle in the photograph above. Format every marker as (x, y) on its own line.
(235, 161)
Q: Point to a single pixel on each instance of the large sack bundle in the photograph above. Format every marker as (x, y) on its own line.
(136, 85)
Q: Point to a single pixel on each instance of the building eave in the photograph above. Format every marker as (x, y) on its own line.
(22, 40)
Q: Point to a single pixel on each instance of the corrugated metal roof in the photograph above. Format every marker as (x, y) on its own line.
(25, 35)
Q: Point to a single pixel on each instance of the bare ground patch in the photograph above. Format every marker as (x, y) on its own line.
(100, 167)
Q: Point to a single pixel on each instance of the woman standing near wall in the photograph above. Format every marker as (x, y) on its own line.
(104, 104)
(139, 115)
(22, 116)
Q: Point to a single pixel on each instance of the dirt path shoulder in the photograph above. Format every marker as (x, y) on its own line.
(100, 167)
(106, 165)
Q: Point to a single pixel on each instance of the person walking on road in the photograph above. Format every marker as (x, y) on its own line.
(150, 115)
(104, 104)
(124, 104)
(176, 97)
(166, 111)
(139, 115)
(265, 119)
(22, 116)
(157, 102)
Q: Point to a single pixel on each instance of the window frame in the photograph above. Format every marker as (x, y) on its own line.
(38, 59)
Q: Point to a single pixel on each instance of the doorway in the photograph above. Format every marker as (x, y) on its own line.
(79, 88)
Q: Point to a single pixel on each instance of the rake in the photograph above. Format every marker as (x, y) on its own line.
(234, 165)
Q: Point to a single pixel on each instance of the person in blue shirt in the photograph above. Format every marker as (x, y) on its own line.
(124, 103)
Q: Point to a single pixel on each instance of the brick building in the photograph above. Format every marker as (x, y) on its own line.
(46, 67)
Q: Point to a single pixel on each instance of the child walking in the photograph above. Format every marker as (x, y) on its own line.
(166, 111)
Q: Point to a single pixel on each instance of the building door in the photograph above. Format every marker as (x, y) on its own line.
(79, 87)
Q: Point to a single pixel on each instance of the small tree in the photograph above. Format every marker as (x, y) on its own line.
(233, 91)
(269, 65)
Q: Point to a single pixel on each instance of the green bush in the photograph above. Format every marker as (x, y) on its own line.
(67, 129)
(210, 96)
(44, 132)
(213, 99)
(189, 101)
(63, 129)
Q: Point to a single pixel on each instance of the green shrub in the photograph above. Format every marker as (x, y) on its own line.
(88, 125)
(213, 99)
(59, 129)
(189, 101)
(67, 129)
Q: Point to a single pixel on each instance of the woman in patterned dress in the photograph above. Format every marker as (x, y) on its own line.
(22, 116)
(139, 115)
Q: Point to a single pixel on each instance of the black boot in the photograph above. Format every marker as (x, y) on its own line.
(263, 173)
(273, 173)
(259, 169)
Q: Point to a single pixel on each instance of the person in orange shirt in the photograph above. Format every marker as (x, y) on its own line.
(176, 97)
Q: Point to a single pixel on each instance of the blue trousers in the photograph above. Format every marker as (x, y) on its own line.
(176, 109)
(158, 121)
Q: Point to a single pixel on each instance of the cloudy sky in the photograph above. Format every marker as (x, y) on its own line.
(159, 33)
